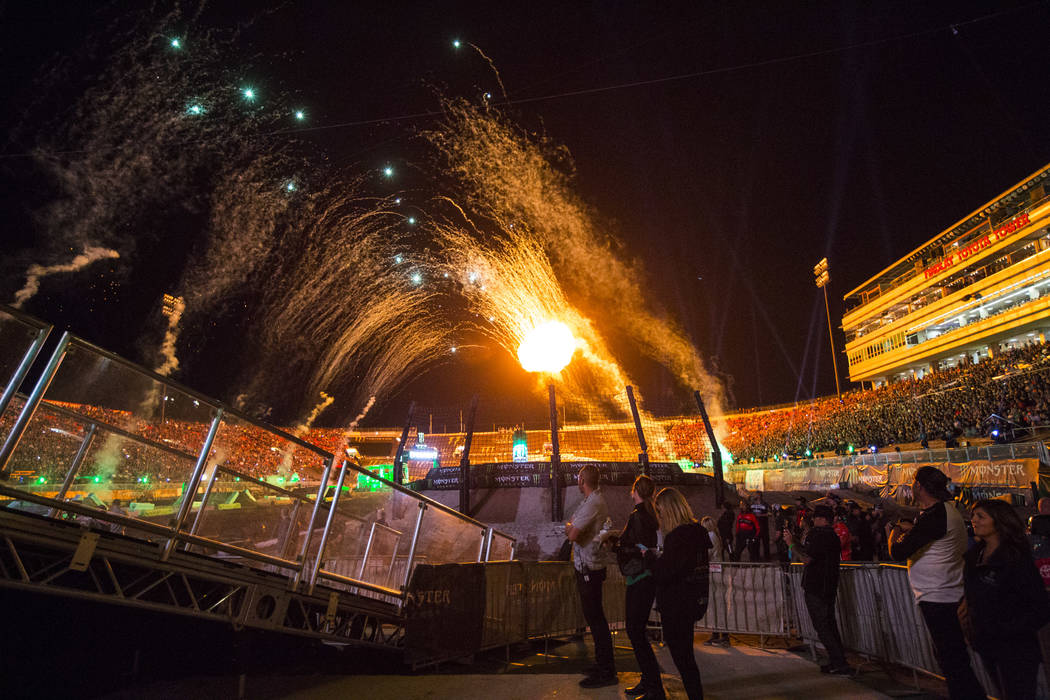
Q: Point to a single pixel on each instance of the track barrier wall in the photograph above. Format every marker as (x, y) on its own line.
(876, 610)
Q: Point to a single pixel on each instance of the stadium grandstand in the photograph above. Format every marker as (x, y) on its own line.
(974, 289)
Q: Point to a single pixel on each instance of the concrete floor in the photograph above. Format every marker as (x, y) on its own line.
(742, 671)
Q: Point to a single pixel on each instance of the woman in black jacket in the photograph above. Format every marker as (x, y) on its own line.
(1005, 600)
(641, 587)
(681, 574)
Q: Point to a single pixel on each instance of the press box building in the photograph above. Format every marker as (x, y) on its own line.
(981, 285)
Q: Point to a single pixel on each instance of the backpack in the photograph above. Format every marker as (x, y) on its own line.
(699, 583)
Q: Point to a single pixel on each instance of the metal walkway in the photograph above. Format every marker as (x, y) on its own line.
(121, 486)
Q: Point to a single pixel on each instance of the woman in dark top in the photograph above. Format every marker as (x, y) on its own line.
(681, 575)
(1005, 600)
(641, 587)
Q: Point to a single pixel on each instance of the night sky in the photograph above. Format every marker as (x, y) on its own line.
(729, 149)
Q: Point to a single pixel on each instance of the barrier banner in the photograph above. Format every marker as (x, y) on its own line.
(444, 611)
(521, 474)
(1004, 476)
(803, 479)
(754, 480)
(552, 602)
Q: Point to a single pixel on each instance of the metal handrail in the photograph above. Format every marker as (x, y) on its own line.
(349, 580)
(43, 330)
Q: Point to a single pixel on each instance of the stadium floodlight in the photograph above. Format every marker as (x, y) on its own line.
(822, 277)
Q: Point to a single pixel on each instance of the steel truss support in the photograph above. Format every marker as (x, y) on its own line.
(43, 558)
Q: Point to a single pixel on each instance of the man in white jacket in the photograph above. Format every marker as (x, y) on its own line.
(934, 550)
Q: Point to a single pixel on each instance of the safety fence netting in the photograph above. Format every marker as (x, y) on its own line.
(439, 439)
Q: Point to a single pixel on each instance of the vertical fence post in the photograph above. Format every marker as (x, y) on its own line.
(327, 529)
(364, 557)
(643, 456)
(192, 485)
(23, 368)
(204, 503)
(412, 546)
(483, 549)
(556, 505)
(82, 451)
(32, 402)
(464, 462)
(399, 465)
(716, 451)
(318, 502)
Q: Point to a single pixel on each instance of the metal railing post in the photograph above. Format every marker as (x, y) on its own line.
(204, 502)
(33, 401)
(85, 444)
(304, 551)
(483, 549)
(364, 557)
(291, 527)
(192, 485)
(327, 529)
(488, 543)
(23, 368)
(412, 546)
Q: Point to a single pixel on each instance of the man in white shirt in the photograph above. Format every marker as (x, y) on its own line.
(589, 561)
(934, 549)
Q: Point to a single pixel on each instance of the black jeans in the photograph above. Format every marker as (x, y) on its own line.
(942, 619)
(639, 602)
(743, 542)
(678, 634)
(590, 587)
(822, 614)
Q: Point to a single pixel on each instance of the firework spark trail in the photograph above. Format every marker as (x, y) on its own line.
(492, 67)
(349, 431)
(36, 272)
(511, 177)
(288, 453)
(171, 337)
(349, 310)
(509, 282)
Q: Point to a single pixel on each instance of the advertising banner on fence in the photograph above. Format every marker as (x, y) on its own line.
(521, 474)
(803, 479)
(1004, 475)
(445, 610)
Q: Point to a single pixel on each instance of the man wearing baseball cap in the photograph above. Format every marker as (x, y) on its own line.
(934, 550)
(820, 583)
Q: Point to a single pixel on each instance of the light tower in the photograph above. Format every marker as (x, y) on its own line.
(820, 273)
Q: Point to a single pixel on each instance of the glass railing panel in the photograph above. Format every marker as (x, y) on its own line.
(502, 547)
(117, 473)
(105, 388)
(250, 515)
(445, 538)
(264, 454)
(347, 550)
(16, 338)
(10, 415)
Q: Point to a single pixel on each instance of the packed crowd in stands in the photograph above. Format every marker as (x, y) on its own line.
(951, 405)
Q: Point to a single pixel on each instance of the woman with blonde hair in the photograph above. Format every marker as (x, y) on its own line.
(681, 575)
